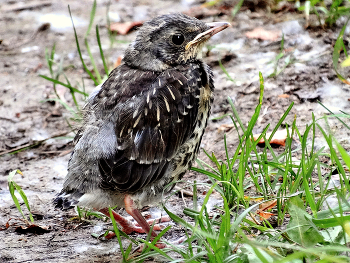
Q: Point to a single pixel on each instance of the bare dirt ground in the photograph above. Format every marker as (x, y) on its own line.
(25, 117)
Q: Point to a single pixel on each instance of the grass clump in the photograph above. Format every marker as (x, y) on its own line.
(13, 186)
(57, 70)
(327, 12)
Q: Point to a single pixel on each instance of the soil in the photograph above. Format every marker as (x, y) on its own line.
(26, 117)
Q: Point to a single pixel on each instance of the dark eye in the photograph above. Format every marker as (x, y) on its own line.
(178, 39)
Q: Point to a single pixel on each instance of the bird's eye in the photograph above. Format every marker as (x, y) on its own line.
(178, 39)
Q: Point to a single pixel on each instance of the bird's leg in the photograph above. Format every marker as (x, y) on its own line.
(135, 213)
(127, 226)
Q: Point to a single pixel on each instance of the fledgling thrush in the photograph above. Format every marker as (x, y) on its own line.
(143, 127)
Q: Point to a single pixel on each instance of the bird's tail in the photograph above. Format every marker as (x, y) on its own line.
(67, 199)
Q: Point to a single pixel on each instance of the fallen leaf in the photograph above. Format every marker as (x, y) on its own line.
(265, 215)
(202, 12)
(263, 34)
(124, 28)
(253, 199)
(279, 138)
(284, 96)
(226, 127)
(35, 229)
(7, 225)
(267, 205)
(118, 61)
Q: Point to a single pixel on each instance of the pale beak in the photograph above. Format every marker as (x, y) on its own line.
(215, 27)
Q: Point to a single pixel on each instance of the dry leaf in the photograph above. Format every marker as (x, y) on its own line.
(225, 127)
(253, 199)
(7, 225)
(118, 62)
(267, 205)
(202, 12)
(284, 96)
(265, 215)
(263, 34)
(35, 229)
(278, 139)
(124, 28)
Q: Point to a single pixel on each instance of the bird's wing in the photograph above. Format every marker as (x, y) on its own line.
(151, 122)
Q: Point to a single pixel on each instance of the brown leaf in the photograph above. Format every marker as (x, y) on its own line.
(278, 139)
(267, 205)
(263, 34)
(202, 12)
(7, 225)
(35, 229)
(284, 96)
(265, 215)
(118, 61)
(226, 127)
(124, 28)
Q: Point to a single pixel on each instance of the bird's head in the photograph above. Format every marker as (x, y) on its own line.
(169, 40)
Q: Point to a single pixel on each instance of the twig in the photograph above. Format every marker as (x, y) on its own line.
(28, 145)
(8, 119)
(183, 191)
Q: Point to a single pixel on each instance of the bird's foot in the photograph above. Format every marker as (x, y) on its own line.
(128, 229)
(126, 225)
(157, 221)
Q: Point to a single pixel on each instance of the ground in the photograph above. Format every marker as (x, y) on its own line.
(26, 117)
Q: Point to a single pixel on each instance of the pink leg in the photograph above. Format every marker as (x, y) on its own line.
(131, 209)
(127, 226)
(135, 213)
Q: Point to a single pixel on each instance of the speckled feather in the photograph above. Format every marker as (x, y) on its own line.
(142, 130)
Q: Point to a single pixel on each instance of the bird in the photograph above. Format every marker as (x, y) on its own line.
(142, 128)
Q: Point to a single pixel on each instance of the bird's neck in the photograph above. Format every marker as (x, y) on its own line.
(143, 60)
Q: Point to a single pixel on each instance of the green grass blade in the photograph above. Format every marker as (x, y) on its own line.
(25, 200)
(92, 17)
(101, 51)
(79, 51)
(63, 84)
(237, 8)
(226, 73)
(116, 231)
(92, 60)
(334, 115)
(338, 47)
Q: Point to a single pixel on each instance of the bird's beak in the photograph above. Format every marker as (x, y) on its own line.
(215, 27)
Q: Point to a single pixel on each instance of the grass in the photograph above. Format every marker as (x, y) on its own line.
(13, 186)
(57, 69)
(297, 180)
(288, 60)
(327, 12)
